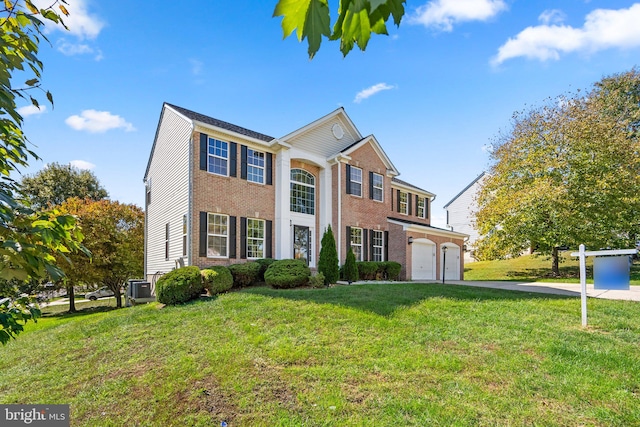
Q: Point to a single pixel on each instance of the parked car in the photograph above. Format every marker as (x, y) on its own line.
(100, 293)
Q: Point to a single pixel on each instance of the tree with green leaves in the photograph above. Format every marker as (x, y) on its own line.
(567, 173)
(29, 241)
(349, 268)
(356, 21)
(329, 265)
(56, 183)
(114, 233)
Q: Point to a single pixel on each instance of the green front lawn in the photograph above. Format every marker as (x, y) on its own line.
(535, 268)
(376, 354)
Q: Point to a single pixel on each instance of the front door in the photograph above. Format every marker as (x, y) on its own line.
(301, 243)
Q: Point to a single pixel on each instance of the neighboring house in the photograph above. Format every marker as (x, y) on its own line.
(461, 215)
(220, 194)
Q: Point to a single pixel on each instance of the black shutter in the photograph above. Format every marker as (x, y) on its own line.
(203, 235)
(410, 210)
(204, 142)
(348, 179)
(348, 240)
(398, 200)
(426, 207)
(269, 171)
(233, 159)
(268, 238)
(371, 185)
(386, 246)
(243, 162)
(371, 240)
(392, 200)
(243, 237)
(232, 237)
(365, 244)
(417, 204)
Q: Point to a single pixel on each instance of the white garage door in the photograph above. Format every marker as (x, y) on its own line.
(452, 263)
(423, 260)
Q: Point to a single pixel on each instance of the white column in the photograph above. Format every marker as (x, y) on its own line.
(282, 233)
(326, 199)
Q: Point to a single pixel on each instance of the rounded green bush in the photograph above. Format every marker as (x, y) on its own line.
(287, 273)
(179, 286)
(264, 264)
(367, 270)
(392, 269)
(217, 279)
(244, 274)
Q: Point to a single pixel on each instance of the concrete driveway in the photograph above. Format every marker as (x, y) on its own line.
(569, 289)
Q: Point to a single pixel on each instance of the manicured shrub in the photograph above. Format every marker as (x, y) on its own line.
(392, 269)
(317, 281)
(287, 273)
(244, 274)
(349, 269)
(367, 270)
(217, 279)
(264, 264)
(179, 286)
(328, 264)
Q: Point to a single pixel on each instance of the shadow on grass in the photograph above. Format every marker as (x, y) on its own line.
(385, 298)
(64, 312)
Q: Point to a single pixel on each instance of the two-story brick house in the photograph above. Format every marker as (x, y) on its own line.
(220, 194)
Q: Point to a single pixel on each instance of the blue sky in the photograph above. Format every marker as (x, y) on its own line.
(435, 93)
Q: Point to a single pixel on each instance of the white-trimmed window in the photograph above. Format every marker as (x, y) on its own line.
(421, 208)
(217, 236)
(255, 238)
(356, 181)
(377, 186)
(166, 241)
(377, 245)
(356, 242)
(403, 202)
(218, 157)
(303, 192)
(255, 166)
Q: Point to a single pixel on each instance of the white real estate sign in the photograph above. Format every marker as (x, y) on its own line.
(611, 271)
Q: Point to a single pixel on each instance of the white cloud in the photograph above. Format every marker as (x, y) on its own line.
(552, 16)
(31, 110)
(370, 91)
(603, 29)
(71, 49)
(82, 164)
(98, 121)
(81, 22)
(443, 14)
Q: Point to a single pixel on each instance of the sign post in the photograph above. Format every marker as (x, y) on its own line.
(583, 272)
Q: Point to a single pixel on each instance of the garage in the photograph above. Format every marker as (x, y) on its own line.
(450, 254)
(423, 260)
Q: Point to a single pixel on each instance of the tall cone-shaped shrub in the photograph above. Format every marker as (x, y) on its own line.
(350, 269)
(329, 264)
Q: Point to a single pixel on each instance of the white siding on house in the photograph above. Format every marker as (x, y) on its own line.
(168, 175)
(461, 212)
(320, 141)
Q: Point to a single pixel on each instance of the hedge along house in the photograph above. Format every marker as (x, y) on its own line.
(220, 194)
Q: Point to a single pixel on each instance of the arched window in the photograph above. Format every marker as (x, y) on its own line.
(303, 192)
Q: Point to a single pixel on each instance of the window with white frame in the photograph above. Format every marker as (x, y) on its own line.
(403, 202)
(255, 238)
(421, 210)
(356, 242)
(184, 235)
(377, 185)
(303, 192)
(218, 157)
(217, 236)
(166, 241)
(356, 181)
(255, 166)
(377, 245)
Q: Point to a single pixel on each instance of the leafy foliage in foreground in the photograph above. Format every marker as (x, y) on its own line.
(394, 354)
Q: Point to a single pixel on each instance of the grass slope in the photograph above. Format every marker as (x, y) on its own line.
(387, 354)
(535, 268)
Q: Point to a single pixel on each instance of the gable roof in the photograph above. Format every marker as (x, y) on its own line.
(463, 190)
(376, 147)
(338, 112)
(192, 115)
